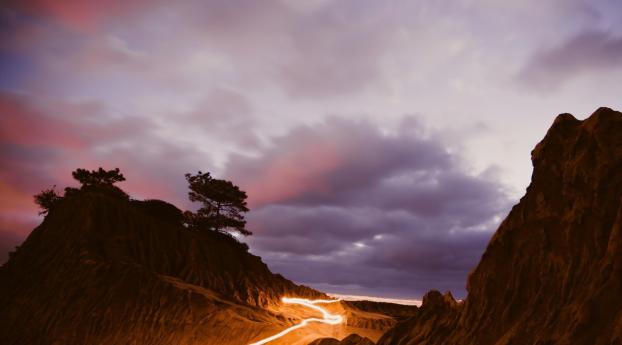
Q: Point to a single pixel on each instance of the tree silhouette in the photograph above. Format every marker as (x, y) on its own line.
(99, 180)
(98, 177)
(224, 204)
(47, 200)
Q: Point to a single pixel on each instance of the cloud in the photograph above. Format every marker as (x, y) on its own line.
(42, 141)
(20, 124)
(345, 204)
(338, 49)
(8, 241)
(15, 223)
(225, 115)
(591, 51)
(327, 163)
(159, 89)
(81, 15)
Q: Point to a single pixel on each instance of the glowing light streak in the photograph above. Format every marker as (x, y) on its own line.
(327, 317)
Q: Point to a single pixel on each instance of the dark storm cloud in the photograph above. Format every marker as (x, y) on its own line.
(344, 200)
(591, 51)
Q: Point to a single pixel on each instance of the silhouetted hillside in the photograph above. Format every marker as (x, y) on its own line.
(106, 270)
(552, 273)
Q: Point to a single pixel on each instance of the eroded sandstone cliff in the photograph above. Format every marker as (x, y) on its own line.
(103, 270)
(552, 273)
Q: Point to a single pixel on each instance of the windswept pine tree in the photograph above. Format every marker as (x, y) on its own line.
(223, 204)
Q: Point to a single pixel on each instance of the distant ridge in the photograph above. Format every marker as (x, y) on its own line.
(376, 299)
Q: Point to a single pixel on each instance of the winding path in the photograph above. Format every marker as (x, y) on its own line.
(327, 317)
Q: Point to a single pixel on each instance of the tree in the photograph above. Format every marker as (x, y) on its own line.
(224, 204)
(47, 200)
(99, 180)
(98, 177)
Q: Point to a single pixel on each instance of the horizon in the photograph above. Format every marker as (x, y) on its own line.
(381, 144)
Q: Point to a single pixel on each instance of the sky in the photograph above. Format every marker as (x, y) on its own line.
(381, 143)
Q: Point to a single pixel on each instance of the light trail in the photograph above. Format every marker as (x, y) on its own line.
(327, 317)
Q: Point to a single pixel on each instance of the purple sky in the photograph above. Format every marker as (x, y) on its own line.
(380, 142)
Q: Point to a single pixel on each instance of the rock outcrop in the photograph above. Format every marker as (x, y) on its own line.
(353, 339)
(396, 311)
(103, 270)
(552, 273)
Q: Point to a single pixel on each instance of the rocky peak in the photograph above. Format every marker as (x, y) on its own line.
(434, 300)
(552, 273)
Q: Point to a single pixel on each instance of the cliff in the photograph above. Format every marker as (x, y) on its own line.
(101, 270)
(552, 273)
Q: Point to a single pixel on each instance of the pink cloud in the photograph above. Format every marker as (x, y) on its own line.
(325, 163)
(18, 215)
(296, 172)
(79, 15)
(14, 200)
(304, 164)
(43, 141)
(21, 124)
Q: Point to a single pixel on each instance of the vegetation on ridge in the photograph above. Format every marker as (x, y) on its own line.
(222, 210)
(224, 204)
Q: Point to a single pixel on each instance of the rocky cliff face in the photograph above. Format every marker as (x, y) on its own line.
(105, 270)
(552, 273)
